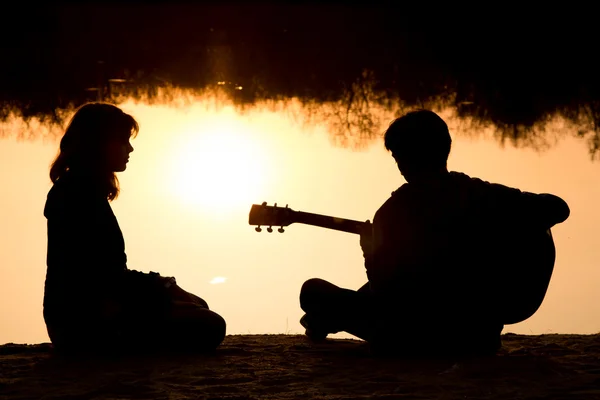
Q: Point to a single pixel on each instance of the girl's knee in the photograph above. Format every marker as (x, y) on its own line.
(203, 331)
(217, 325)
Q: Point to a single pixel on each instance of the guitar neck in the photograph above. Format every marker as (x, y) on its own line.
(325, 221)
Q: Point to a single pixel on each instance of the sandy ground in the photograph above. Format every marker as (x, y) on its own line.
(291, 367)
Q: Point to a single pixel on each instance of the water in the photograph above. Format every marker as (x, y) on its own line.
(194, 174)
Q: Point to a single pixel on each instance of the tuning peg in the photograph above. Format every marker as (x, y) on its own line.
(264, 203)
(275, 205)
(269, 229)
(280, 230)
(257, 229)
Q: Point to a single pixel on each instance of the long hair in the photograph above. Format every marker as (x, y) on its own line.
(85, 142)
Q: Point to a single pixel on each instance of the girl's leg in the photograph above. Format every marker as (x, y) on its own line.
(178, 294)
(194, 327)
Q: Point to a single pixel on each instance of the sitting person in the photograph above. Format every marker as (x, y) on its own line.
(91, 299)
(450, 259)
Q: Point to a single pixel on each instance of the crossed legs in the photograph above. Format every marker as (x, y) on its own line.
(331, 309)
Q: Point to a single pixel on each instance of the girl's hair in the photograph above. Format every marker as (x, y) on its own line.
(85, 142)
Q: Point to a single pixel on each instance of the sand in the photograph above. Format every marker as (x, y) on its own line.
(291, 367)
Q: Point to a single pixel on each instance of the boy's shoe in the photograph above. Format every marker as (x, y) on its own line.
(314, 334)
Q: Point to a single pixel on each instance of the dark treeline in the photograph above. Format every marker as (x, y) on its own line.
(510, 67)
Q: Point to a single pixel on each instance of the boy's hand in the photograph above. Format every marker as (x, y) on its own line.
(366, 239)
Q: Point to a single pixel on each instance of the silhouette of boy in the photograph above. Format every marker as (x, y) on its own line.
(449, 258)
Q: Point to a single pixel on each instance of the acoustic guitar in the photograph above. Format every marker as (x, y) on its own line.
(270, 216)
(523, 274)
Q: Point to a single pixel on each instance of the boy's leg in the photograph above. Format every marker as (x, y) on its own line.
(331, 309)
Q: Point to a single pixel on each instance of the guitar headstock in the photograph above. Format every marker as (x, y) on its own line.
(262, 214)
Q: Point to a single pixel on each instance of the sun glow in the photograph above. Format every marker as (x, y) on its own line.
(219, 166)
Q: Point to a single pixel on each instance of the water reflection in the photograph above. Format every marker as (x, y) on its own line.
(196, 228)
(218, 279)
(362, 56)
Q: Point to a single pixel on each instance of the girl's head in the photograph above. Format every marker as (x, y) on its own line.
(96, 142)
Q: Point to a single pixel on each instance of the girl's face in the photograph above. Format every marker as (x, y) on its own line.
(117, 155)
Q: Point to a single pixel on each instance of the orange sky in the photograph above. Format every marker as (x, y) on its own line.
(193, 224)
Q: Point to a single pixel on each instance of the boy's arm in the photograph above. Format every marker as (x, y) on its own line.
(543, 210)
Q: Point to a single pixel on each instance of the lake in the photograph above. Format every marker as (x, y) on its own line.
(199, 165)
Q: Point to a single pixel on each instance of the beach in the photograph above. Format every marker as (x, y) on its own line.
(550, 366)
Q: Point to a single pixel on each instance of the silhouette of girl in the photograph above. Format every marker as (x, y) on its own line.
(91, 299)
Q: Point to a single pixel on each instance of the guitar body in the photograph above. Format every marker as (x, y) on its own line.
(525, 270)
(520, 274)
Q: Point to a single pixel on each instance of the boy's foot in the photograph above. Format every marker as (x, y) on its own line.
(313, 334)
